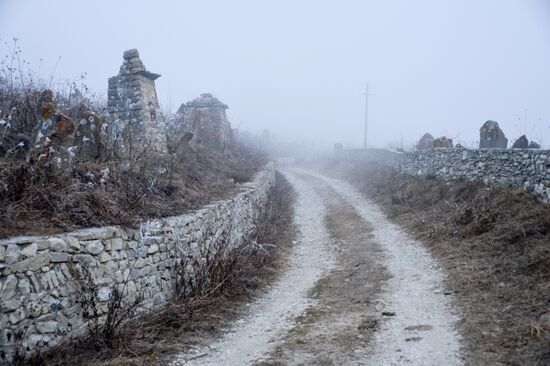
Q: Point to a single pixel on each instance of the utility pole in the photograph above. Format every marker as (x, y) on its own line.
(366, 114)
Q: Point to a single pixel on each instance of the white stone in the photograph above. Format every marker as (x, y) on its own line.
(153, 249)
(30, 250)
(46, 327)
(57, 244)
(94, 247)
(104, 294)
(12, 254)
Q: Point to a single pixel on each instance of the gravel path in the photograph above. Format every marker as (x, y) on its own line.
(416, 321)
(272, 315)
(422, 330)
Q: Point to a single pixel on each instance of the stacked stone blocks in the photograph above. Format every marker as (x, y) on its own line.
(39, 292)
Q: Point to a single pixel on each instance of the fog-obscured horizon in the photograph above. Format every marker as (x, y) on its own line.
(299, 68)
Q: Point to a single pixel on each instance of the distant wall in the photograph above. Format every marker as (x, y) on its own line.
(527, 168)
(383, 156)
(39, 296)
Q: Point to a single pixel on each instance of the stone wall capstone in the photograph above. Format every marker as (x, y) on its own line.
(39, 294)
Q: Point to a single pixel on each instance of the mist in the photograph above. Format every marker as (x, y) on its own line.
(299, 69)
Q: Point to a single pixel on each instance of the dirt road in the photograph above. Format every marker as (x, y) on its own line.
(357, 291)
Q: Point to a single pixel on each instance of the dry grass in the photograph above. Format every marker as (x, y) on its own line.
(494, 243)
(44, 199)
(177, 325)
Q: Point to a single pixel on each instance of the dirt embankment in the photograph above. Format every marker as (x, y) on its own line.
(152, 338)
(495, 245)
(42, 200)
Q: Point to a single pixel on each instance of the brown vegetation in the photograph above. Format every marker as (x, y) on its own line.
(232, 280)
(123, 186)
(495, 245)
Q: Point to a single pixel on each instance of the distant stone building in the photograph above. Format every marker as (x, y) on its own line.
(205, 117)
(426, 142)
(133, 102)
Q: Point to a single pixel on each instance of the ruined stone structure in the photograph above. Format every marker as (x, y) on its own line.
(491, 136)
(133, 103)
(55, 132)
(443, 142)
(39, 294)
(206, 118)
(426, 142)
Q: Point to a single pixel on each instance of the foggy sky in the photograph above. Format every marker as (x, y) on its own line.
(299, 68)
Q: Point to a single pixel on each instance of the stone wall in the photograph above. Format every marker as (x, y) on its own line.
(382, 156)
(39, 292)
(528, 168)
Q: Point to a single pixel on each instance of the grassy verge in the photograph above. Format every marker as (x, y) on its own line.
(495, 245)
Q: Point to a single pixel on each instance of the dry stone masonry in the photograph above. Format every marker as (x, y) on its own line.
(39, 293)
(133, 103)
(528, 168)
(206, 119)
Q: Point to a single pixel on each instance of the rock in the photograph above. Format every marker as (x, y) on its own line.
(24, 286)
(130, 54)
(534, 145)
(88, 136)
(13, 253)
(46, 327)
(55, 132)
(85, 260)
(104, 257)
(73, 242)
(153, 249)
(10, 305)
(521, 143)
(491, 136)
(104, 294)
(17, 315)
(94, 247)
(2, 253)
(29, 250)
(425, 142)
(32, 264)
(116, 243)
(443, 142)
(59, 257)
(57, 244)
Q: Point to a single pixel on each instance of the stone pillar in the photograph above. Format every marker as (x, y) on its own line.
(133, 103)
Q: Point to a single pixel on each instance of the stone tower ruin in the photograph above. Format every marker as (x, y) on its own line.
(133, 103)
(205, 117)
